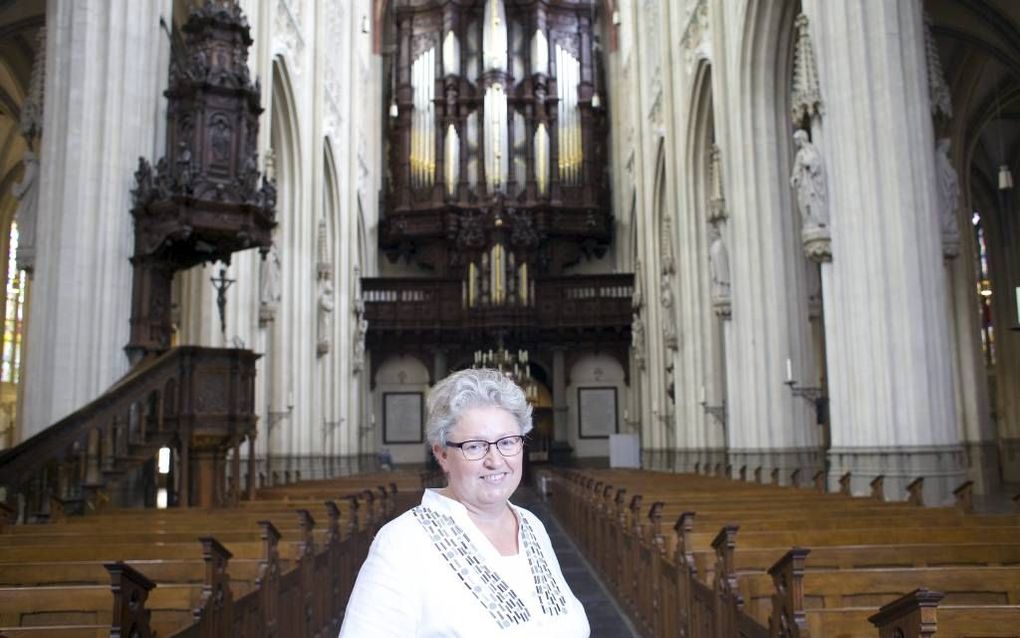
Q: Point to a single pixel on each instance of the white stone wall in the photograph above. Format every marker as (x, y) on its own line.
(107, 63)
(106, 67)
(726, 66)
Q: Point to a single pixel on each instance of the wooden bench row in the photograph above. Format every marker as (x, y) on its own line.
(696, 584)
(58, 581)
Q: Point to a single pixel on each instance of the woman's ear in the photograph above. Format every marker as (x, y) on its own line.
(440, 454)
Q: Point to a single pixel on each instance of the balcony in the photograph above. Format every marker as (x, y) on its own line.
(435, 310)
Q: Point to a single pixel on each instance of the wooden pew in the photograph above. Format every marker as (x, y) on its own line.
(653, 573)
(299, 584)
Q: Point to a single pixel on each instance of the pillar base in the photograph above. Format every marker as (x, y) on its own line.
(656, 460)
(786, 460)
(942, 467)
(1010, 459)
(983, 465)
(700, 461)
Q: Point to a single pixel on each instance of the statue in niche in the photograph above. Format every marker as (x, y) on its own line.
(220, 137)
(325, 310)
(666, 298)
(271, 290)
(27, 193)
(637, 340)
(358, 360)
(949, 197)
(637, 300)
(184, 166)
(808, 180)
(719, 264)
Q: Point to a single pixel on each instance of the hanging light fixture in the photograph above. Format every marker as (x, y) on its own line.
(394, 109)
(514, 365)
(596, 100)
(1005, 175)
(1005, 178)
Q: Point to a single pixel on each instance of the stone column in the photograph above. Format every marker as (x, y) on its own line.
(439, 365)
(559, 391)
(106, 68)
(890, 374)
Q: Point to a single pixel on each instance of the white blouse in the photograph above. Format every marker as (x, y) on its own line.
(431, 573)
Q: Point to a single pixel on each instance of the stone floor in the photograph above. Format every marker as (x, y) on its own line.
(605, 617)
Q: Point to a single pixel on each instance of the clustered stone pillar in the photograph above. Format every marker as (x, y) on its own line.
(105, 62)
(888, 340)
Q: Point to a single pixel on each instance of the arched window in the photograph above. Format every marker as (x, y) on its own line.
(13, 319)
(984, 291)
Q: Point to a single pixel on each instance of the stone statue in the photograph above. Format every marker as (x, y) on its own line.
(184, 167)
(666, 298)
(949, 198)
(719, 265)
(637, 339)
(325, 310)
(637, 300)
(271, 290)
(27, 193)
(808, 180)
(358, 360)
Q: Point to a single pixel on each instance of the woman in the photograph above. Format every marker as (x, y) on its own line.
(467, 562)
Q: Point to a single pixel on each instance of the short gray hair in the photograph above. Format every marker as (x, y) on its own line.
(473, 388)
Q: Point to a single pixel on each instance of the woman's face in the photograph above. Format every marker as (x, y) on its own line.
(489, 481)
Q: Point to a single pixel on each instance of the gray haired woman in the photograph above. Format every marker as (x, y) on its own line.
(467, 562)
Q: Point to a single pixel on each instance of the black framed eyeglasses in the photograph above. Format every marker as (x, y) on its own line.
(474, 450)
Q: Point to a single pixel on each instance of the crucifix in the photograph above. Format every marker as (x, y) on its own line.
(221, 284)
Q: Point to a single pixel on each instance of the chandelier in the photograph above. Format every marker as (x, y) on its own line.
(514, 365)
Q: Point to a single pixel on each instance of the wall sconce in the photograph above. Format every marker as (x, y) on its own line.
(275, 416)
(814, 395)
(1005, 178)
(718, 412)
(364, 24)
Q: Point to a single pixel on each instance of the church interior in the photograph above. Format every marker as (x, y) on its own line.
(755, 264)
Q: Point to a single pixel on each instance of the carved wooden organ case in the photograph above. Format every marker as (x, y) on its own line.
(497, 156)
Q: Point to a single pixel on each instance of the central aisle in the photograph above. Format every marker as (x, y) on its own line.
(605, 617)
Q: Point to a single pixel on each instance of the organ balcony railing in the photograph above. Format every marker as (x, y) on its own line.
(586, 303)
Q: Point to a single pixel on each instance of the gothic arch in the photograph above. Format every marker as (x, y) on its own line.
(705, 363)
(767, 262)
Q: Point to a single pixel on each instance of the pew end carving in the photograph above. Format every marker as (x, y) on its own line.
(964, 497)
(915, 492)
(878, 488)
(787, 619)
(910, 616)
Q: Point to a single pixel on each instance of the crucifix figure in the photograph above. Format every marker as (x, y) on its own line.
(221, 284)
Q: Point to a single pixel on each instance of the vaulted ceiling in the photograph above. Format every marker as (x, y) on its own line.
(979, 44)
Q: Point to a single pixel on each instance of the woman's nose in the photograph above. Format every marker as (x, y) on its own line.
(492, 456)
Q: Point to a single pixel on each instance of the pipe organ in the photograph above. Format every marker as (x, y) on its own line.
(497, 153)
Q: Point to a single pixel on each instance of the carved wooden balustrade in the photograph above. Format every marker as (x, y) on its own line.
(197, 400)
(571, 305)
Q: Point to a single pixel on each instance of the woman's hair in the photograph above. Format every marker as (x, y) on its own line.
(473, 388)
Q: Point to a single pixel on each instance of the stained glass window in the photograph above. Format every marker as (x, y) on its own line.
(984, 291)
(10, 371)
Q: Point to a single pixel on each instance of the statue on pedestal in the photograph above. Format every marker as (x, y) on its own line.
(948, 200)
(27, 193)
(719, 265)
(808, 180)
(325, 309)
